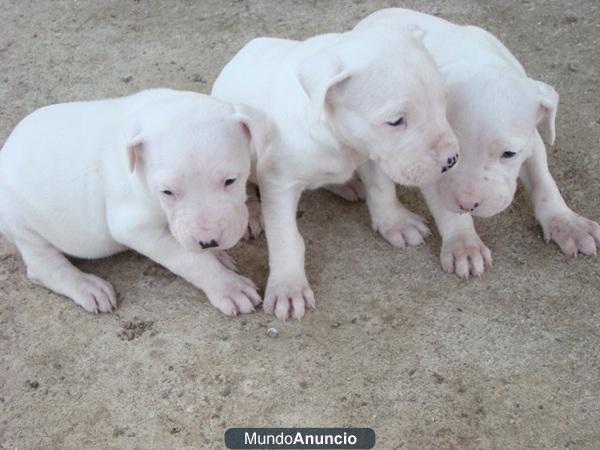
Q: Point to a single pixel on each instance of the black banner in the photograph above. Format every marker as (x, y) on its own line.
(300, 438)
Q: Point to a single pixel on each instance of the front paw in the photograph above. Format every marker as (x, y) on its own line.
(288, 297)
(94, 294)
(465, 255)
(573, 233)
(406, 228)
(233, 294)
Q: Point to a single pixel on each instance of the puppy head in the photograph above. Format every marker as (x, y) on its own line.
(494, 116)
(194, 155)
(380, 92)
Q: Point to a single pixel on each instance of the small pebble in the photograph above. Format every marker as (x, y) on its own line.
(33, 384)
(226, 392)
(272, 332)
(572, 67)
(335, 325)
(127, 79)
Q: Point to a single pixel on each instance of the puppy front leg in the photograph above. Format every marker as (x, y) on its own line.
(288, 291)
(573, 233)
(399, 226)
(226, 290)
(463, 252)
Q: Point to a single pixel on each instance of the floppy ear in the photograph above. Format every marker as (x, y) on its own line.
(548, 99)
(254, 124)
(318, 74)
(135, 146)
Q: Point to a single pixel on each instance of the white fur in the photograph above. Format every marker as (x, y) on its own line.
(89, 179)
(330, 98)
(493, 108)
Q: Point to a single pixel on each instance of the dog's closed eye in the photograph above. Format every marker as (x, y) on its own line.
(397, 122)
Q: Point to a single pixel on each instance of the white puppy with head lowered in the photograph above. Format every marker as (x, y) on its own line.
(370, 100)
(161, 172)
(494, 109)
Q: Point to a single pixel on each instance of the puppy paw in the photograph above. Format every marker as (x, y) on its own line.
(94, 294)
(573, 233)
(353, 190)
(234, 295)
(465, 255)
(255, 220)
(288, 298)
(405, 229)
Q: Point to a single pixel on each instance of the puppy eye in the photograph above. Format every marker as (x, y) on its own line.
(398, 122)
(229, 181)
(508, 154)
(167, 192)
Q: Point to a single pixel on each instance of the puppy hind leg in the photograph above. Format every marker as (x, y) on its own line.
(353, 190)
(47, 266)
(255, 217)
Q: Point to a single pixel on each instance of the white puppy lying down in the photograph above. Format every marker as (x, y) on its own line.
(371, 100)
(161, 172)
(494, 109)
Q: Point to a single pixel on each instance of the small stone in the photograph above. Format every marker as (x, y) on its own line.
(197, 78)
(127, 79)
(33, 384)
(226, 392)
(272, 332)
(572, 67)
(175, 430)
(438, 378)
(335, 325)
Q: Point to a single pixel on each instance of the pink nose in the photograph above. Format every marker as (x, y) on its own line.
(468, 205)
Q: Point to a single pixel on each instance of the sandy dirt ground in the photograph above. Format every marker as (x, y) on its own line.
(510, 360)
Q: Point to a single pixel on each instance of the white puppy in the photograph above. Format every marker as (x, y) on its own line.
(161, 172)
(371, 100)
(494, 109)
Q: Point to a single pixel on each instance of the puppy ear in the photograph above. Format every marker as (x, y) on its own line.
(135, 146)
(318, 74)
(254, 125)
(548, 104)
